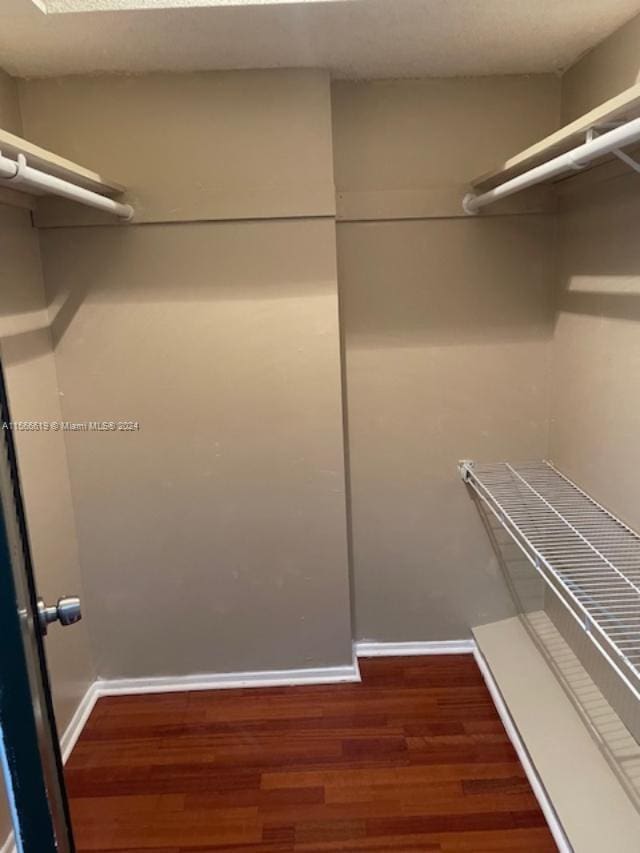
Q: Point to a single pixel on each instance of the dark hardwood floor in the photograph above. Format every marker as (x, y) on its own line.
(413, 759)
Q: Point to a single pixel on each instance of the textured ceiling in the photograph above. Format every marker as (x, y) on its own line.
(57, 7)
(352, 38)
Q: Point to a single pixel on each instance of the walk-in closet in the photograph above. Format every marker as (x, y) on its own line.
(320, 418)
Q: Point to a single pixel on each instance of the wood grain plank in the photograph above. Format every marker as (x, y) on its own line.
(414, 758)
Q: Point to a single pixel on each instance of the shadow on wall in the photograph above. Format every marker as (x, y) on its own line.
(24, 321)
(25, 346)
(599, 261)
(446, 282)
(180, 263)
(595, 413)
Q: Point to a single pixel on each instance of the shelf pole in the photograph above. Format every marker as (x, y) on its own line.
(20, 175)
(576, 159)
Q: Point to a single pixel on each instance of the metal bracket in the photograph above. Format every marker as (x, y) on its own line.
(593, 132)
(464, 468)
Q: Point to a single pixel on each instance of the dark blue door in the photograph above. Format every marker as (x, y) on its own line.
(31, 761)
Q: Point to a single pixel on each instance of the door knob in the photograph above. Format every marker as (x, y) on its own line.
(67, 612)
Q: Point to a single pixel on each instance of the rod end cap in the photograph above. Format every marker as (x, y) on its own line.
(468, 204)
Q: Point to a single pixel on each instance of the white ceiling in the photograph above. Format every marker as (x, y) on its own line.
(352, 38)
(57, 7)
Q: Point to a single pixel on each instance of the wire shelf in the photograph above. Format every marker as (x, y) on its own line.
(589, 557)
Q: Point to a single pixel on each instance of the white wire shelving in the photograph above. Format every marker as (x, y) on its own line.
(588, 557)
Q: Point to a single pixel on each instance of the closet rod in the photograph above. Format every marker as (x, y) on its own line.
(19, 175)
(573, 160)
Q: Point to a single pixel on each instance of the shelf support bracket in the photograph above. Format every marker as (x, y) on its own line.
(595, 131)
(464, 468)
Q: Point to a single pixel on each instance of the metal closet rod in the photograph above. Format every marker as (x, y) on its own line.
(573, 160)
(20, 175)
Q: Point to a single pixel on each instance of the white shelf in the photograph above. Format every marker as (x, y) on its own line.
(59, 167)
(591, 804)
(624, 106)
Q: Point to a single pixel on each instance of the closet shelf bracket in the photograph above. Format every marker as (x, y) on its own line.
(594, 132)
(464, 468)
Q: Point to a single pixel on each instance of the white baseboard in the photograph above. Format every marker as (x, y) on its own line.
(375, 649)
(538, 788)
(76, 724)
(229, 680)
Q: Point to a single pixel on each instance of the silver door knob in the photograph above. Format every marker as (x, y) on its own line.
(67, 612)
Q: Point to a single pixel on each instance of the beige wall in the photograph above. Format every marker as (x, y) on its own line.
(420, 134)
(406, 291)
(28, 362)
(9, 104)
(27, 358)
(223, 145)
(604, 72)
(30, 370)
(595, 411)
(447, 328)
(222, 523)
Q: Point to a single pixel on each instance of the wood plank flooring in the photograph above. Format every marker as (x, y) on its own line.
(414, 758)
